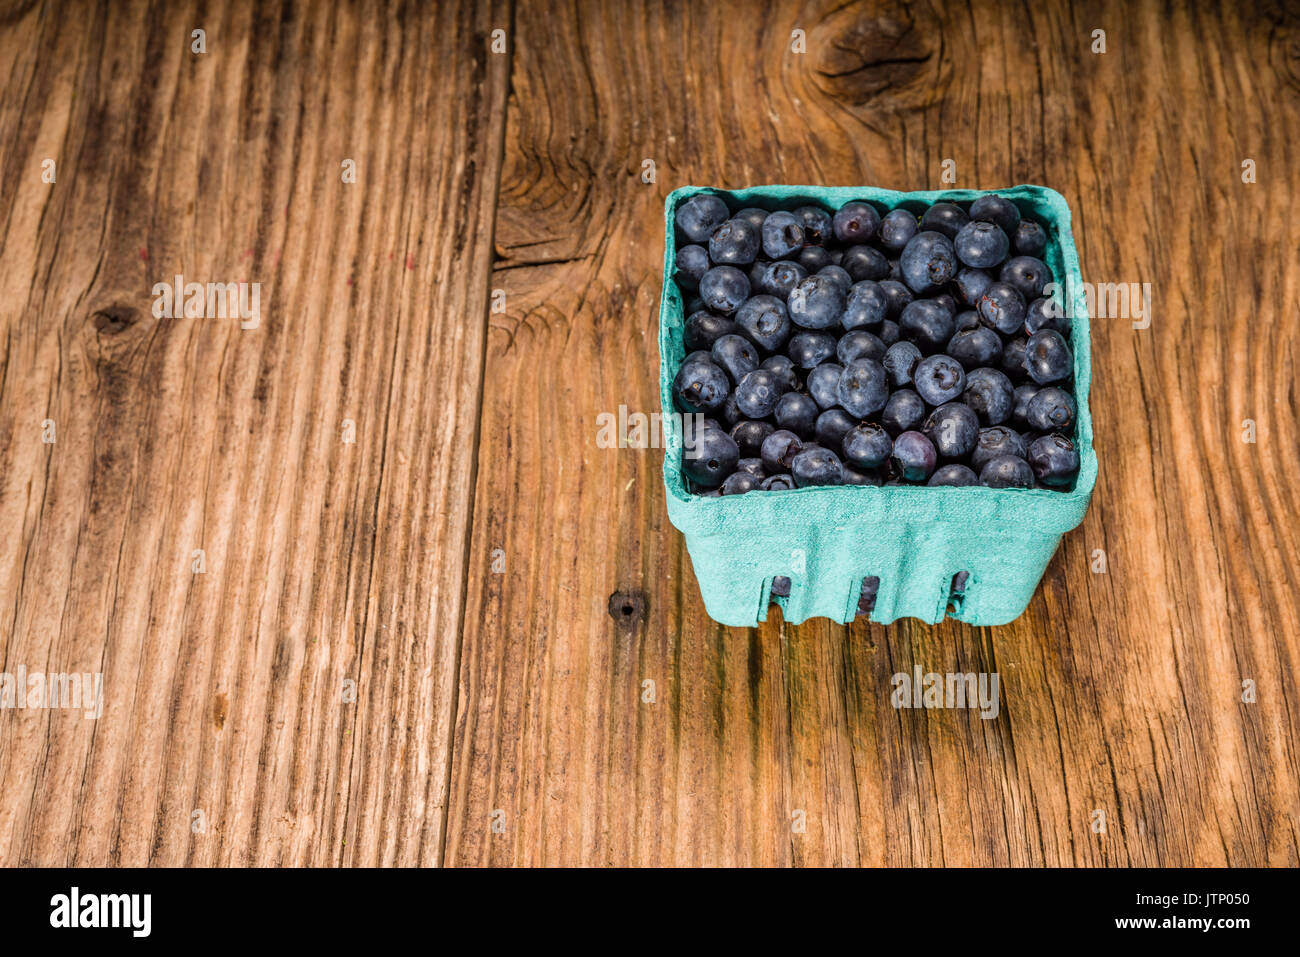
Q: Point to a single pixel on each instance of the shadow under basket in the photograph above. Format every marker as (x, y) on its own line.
(821, 544)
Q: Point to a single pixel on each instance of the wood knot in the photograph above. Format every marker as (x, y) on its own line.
(114, 320)
(628, 608)
(873, 57)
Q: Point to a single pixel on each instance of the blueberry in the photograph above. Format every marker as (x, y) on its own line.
(864, 388)
(866, 306)
(810, 349)
(939, 379)
(897, 295)
(735, 243)
(888, 332)
(1027, 273)
(864, 262)
(859, 344)
(946, 301)
(1030, 239)
(776, 483)
(1007, 471)
(700, 387)
(712, 458)
(837, 275)
(813, 258)
(752, 465)
(1048, 358)
(1052, 409)
(797, 413)
(971, 283)
(953, 475)
(975, 347)
(965, 321)
(914, 457)
(1046, 313)
(1054, 459)
(765, 320)
(757, 393)
(867, 446)
(816, 467)
(749, 434)
(945, 218)
(753, 216)
(817, 303)
(897, 228)
(785, 371)
(782, 234)
(703, 329)
(699, 216)
(952, 429)
(823, 382)
(854, 476)
(730, 413)
(780, 277)
(692, 263)
(904, 412)
(779, 450)
(926, 323)
(927, 263)
(816, 222)
(1013, 359)
(831, 427)
(737, 355)
(995, 441)
(990, 394)
(855, 222)
(757, 269)
(900, 362)
(1024, 394)
(992, 208)
(981, 245)
(1002, 308)
(724, 288)
(738, 483)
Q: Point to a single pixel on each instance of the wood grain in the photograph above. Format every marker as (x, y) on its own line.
(498, 588)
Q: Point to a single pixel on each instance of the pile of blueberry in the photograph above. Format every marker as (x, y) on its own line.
(856, 348)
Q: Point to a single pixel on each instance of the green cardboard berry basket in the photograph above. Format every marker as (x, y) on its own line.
(913, 539)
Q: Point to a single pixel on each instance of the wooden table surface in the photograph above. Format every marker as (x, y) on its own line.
(355, 578)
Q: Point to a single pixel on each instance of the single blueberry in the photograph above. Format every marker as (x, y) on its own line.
(730, 413)
(1002, 308)
(1007, 471)
(699, 216)
(1048, 357)
(777, 483)
(782, 234)
(952, 429)
(981, 245)
(703, 329)
(692, 263)
(914, 457)
(816, 222)
(780, 277)
(897, 227)
(797, 413)
(864, 262)
(817, 303)
(900, 362)
(1013, 359)
(810, 349)
(724, 288)
(927, 324)
(855, 222)
(1030, 239)
(996, 441)
(897, 295)
(927, 263)
(866, 306)
(738, 483)
(712, 458)
(1052, 409)
(867, 446)
(737, 355)
(970, 284)
(953, 475)
(700, 387)
(1028, 274)
(832, 426)
(785, 371)
(753, 216)
(904, 412)
(1054, 459)
(992, 208)
(990, 394)
(813, 258)
(757, 393)
(864, 388)
(975, 347)
(1046, 313)
(816, 467)
(779, 450)
(765, 320)
(753, 465)
(945, 218)
(939, 379)
(1024, 394)
(749, 434)
(859, 344)
(946, 301)
(854, 476)
(735, 243)
(888, 332)
(823, 382)
(967, 320)
(838, 275)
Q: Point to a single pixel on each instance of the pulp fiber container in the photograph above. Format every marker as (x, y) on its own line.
(914, 539)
